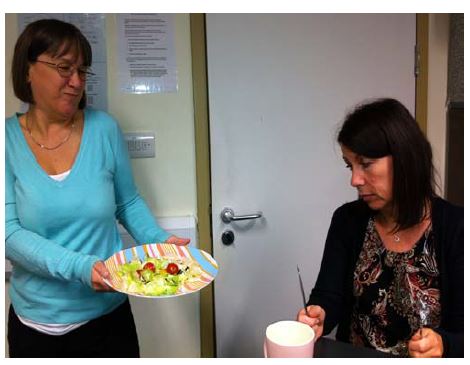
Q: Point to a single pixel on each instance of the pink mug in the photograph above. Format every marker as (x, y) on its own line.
(289, 339)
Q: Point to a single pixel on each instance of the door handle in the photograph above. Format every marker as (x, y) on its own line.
(228, 215)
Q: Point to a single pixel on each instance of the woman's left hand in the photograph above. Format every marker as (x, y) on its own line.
(426, 344)
(177, 241)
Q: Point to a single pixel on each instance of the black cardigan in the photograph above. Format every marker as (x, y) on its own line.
(333, 290)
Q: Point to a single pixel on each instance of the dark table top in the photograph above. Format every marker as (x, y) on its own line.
(326, 347)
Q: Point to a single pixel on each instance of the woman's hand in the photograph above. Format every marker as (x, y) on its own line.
(315, 319)
(178, 241)
(426, 344)
(98, 272)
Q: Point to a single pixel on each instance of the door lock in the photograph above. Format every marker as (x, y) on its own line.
(228, 237)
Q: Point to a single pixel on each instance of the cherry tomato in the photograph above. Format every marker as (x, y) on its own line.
(149, 266)
(172, 268)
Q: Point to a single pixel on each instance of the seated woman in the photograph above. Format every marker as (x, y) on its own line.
(391, 276)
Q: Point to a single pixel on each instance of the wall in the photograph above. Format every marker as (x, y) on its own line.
(455, 113)
(456, 58)
(167, 182)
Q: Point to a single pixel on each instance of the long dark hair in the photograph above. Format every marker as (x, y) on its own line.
(384, 127)
(49, 36)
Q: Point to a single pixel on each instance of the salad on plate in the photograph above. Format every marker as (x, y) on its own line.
(160, 270)
(157, 276)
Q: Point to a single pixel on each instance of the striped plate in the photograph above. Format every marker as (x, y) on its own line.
(208, 265)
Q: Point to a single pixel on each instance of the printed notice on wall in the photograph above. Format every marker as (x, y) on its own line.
(146, 53)
(93, 28)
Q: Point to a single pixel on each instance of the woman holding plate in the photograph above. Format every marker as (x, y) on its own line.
(391, 276)
(68, 178)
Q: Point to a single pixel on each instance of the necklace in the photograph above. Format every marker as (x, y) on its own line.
(44, 146)
(395, 236)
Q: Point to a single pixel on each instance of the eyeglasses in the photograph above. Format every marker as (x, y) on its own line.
(67, 70)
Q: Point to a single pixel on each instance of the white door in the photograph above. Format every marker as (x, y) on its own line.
(279, 86)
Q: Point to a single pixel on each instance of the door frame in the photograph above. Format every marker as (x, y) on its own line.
(203, 174)
(202, 146)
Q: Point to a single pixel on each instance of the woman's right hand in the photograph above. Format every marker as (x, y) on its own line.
(315, 319)
(98, 272)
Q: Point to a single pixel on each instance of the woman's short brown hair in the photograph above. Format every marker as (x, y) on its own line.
(50, 36)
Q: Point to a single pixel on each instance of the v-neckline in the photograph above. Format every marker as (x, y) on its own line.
(406, 252)
(38, 167)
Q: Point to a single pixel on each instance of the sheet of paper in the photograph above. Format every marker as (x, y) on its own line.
(146, 53)
(93, 27)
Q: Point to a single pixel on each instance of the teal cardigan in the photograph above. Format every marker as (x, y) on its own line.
(55, 231)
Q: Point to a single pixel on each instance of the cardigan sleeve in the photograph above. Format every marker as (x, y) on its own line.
(452, 325)
(330, 291)
(132, 211)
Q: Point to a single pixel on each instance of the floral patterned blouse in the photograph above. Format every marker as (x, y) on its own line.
(395, 293)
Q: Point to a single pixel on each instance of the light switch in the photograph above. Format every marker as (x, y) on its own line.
(140, 144)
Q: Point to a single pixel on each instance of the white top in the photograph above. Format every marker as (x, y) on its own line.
(49, 328)
(61, 176)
